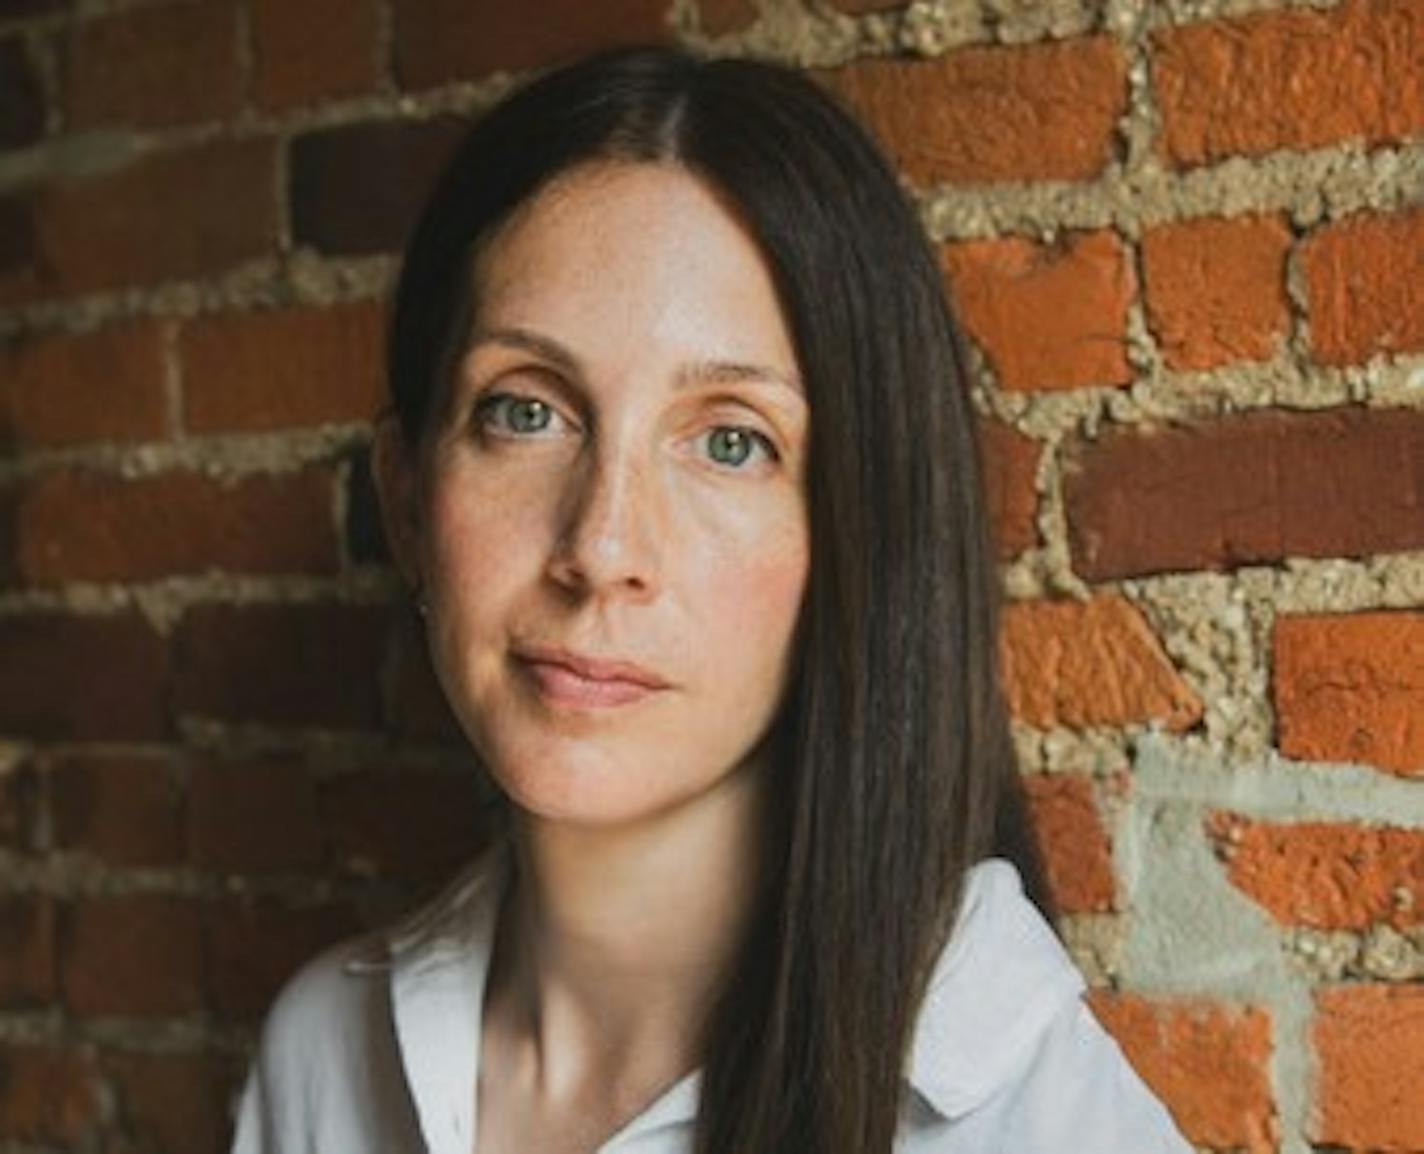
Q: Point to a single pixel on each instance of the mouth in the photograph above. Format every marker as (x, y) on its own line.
(583, 681)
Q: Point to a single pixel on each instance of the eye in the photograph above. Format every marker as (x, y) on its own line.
(733, 446)
(510, 415)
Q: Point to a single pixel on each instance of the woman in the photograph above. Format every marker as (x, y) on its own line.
(683, 475)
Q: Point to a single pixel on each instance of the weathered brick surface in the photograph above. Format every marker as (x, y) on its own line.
(22, 110)
(1351, 688)
(27, 957)
(83, 526)
(311, 50)
(120, 810)
(443, 40)
(167, 216)
(1078, 664)
(1247, 489)
(172, 1103)
(1209, 1063)
(393, 163)
(1326, 875)
(135, 956)
(1046, 316)
(1369, 1043)
(1295, 79)
(1029, 112)
(47, 1094)
(72, 678)
(1010, 466)
(20, 806)
(304, 665)
(1365, 281)
(252, 947)
(159, 65)
(1216, 289)
(1076, 848)
(276, 370)
(254, 818)
(61, 390)
(411, 824)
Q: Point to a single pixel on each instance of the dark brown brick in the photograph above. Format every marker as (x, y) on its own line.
(393, 164)
(125, 811)
(27, 960)
(17, 247)
(172, 1103)
(133, 956)
(159, 65)
(253, 947)
(22, 110)
(20, 806)
(310, 50)
(73, 678)
(48, 1094)
(312, 665)
(444, 40)
(1010, 466)
(1250, 489)
(254, 818)
(722, 17)
(84, 526)
(415, 824)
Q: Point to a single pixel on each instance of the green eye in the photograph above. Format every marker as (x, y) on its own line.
(526, 415)
(733, 447)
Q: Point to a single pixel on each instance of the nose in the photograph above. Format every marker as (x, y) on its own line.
(608, 540)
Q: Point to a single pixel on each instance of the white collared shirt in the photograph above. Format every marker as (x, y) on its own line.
(374, 1047)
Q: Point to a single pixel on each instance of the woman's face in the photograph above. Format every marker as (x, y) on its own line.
(613, 540)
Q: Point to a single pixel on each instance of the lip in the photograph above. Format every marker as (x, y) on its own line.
(575, 679)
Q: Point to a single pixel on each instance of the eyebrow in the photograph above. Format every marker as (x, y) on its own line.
(695, 372)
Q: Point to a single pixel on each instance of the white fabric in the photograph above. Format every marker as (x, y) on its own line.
(374, 1047)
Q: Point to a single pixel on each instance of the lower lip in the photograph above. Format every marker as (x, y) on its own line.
(559, 685)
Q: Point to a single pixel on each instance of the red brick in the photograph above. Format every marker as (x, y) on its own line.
(1325, 875)
(256, 818)
(133, 956)
(255, 371)
(1365, 283)
(393, 163)
(27, 960)
(253, 947)
(125, 811)
(85, 526)
(72, 678)
(1245, 490)
(162, 65)
(172, 1103)
(22, 104)
(1010, 469)
(1369, 1043)
(1094, 663)
(1029, 112)
(1216, 289)
(1076, 850)
(1291, 80)
(47, 1094)
(311, 665)
(168, 216)
(444, 40)
(1046, 316)
(723, 17)
(62, 390)
(1209, 1063)
(310, 50)
(1351, 688)
(416, 824)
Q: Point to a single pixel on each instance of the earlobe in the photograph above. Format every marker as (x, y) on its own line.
(394, 471)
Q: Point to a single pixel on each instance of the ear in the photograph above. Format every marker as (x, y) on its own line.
(395, 471)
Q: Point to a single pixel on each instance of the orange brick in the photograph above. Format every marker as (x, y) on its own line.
(1326, 875)
(81, 526)
(1291, 80)
(310, 50)
(160, 65)
(1077, 852)
(1010, 467)
(47, 1094)
(1365, 283)
(277, 370)
(1369, 1042)
(1076, 664)
(1209, 1063)
(1046, 316)
(62, 390)
(132, 956)
(443, 40)
(1030, 112)
(1351, 688)
(1216, 290)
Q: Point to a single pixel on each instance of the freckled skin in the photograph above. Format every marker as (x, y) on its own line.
(613, 529)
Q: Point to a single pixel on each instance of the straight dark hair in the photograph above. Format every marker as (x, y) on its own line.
(897, 770)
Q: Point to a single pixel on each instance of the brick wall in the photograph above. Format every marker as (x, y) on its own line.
(1186, 238)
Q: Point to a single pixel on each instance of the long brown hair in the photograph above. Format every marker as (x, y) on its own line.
(897, 771)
